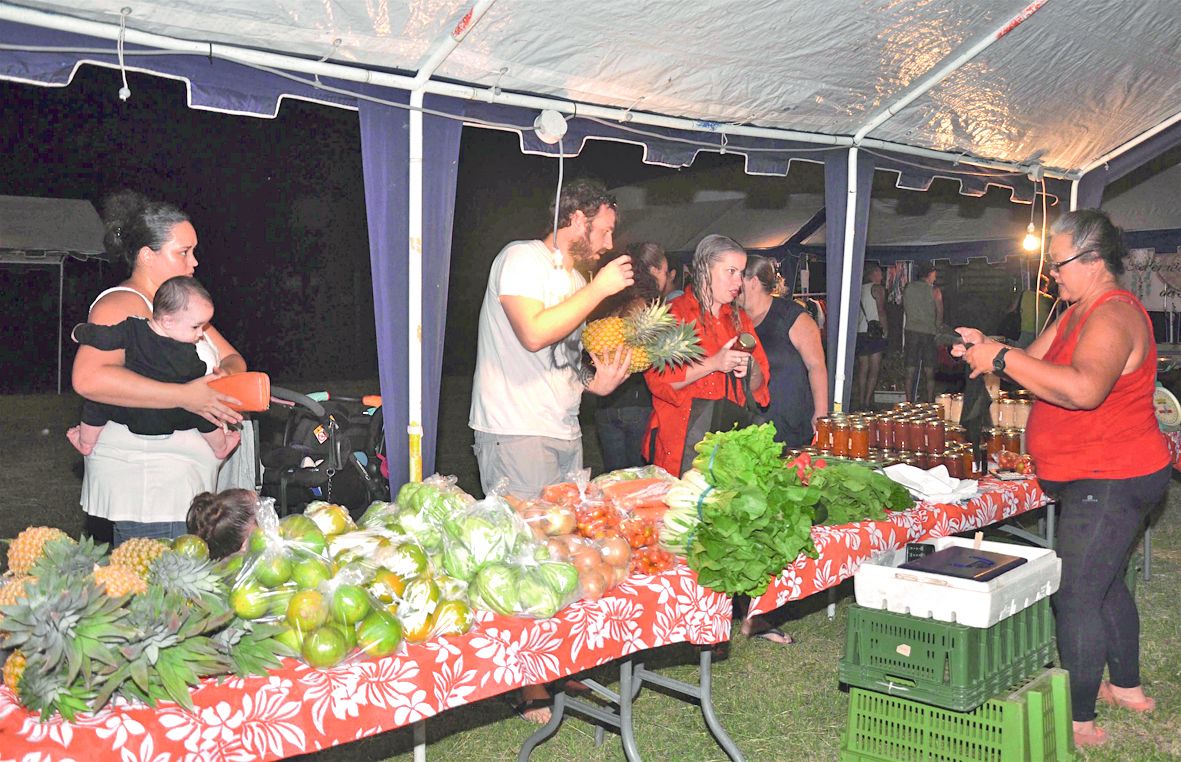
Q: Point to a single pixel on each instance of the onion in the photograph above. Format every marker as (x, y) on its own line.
(593, 584)
(615, 551)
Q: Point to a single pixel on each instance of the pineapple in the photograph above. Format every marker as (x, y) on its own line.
(118, 580)
(192, 578)
(14, 669)
(655, 337)
(11, 592)
(139, 553)
(67, 558)
(24, 551)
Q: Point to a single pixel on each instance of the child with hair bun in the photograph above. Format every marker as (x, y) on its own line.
(224, 521)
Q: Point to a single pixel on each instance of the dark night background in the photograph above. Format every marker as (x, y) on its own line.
(280, 213)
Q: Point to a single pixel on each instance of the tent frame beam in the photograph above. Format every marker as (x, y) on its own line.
(486, 94)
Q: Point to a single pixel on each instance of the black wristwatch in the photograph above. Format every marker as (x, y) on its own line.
(998, 362)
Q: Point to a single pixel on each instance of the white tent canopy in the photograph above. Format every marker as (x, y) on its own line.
(1064, 83)
(986, 91)
(47, 232)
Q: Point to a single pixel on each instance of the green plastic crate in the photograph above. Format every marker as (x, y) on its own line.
(1029, 724)
(942, 663)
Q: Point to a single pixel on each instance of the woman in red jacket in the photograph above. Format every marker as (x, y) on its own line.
(1097, 449)
(718, 265)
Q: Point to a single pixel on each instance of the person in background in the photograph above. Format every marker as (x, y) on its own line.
(1034, 309)
(798, 384)
(145, 485)
(718, 265)
(163, 348)
(621, 418)
(1098, 451)
(870, 343)
(224, 521)
(922, 305)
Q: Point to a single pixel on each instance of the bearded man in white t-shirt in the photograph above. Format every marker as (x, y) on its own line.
(529, 377)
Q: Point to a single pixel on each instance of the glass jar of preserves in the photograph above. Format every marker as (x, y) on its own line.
(1007, 413)
(957, 434)
(957, 407)
(915, 437)
(967, 457)
(888, 439)
(993, 441)
(840, 439)
(951, 461)
(1011, 440)
(935, 433)
(877, 436)
(859, 441)
(824, 434)
(944, 401)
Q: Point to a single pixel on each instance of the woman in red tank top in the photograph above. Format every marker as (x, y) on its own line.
(1098, 451)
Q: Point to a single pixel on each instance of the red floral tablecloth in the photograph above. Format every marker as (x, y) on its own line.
(298, 709)
(842, 548)
(1174, 440)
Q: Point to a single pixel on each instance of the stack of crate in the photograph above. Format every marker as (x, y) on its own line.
(941, 691)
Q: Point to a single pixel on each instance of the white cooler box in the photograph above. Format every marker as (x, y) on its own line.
(879, 585)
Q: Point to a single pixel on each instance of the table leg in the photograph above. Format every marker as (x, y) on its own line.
(627, 692)
(707, 708)
(420, 741)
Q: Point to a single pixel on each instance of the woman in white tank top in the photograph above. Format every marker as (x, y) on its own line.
(145, 484)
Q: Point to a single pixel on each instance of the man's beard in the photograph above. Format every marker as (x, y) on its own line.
(583, 254)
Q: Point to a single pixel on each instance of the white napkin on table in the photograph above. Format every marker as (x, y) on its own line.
(933, 486)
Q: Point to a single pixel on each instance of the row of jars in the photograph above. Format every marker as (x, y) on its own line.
(1007, 410)
(921, 431)
(959, 458)
(1003, 438)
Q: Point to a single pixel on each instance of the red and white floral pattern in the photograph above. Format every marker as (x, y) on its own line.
(298, 709)
(843, 548)
(1174, 440)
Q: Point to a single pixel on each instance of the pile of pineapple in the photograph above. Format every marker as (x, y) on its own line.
(146, 623)
(656, 338)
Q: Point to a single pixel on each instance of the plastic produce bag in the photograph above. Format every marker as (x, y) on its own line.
(485, 532)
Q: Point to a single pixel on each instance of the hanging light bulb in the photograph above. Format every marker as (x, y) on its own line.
(1030, 242)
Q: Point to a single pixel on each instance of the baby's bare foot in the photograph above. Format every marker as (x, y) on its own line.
(74, 434)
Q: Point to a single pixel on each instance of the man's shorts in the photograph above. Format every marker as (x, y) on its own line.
(919, 350)
(528, 463)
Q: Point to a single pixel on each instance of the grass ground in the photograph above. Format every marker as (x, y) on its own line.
(777, 702)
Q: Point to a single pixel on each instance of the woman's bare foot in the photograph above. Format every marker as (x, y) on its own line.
(74, 434)
(1129, 698)
(533, 704)
(757, 627)
(1089, 734)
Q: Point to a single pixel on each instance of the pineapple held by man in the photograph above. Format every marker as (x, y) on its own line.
(656, 338)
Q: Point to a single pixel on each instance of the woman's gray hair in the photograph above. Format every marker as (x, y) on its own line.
(710, 250)
(1093, 232)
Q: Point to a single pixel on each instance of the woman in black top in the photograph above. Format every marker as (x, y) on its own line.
(791, 338)
(621, 417)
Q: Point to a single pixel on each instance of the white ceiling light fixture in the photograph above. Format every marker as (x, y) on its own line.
(550, 126)
(1032, 241)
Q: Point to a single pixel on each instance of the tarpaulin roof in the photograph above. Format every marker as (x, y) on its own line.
(1065, 82)
(33, 227)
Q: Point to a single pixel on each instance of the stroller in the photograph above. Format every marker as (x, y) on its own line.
(332, 449)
